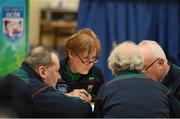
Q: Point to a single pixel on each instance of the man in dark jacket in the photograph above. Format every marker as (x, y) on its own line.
(38, 96)
(158, 68)
(131, 94)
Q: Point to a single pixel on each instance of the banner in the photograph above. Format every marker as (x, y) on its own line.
(13, 34)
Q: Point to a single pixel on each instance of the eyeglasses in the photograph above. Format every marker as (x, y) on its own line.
(151, 64)
(95, 60)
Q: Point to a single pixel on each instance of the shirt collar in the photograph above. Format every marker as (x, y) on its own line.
(169, 75)
(30, 70)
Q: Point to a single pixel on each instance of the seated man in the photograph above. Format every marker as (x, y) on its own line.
(131, 94)
(38, 97)
(158, 67)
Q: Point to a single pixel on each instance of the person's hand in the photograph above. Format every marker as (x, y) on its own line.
(81, 93)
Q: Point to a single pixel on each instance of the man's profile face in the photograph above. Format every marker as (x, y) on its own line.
(53, 71)
(151, 66)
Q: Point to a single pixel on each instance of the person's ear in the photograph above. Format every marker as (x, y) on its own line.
(161, 63)
(70, 54)
(42, 72)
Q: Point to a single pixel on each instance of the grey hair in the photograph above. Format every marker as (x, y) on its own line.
(40, 56)
(156, 49)
(122, 58)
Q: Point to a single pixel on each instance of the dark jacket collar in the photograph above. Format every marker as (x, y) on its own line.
(127, 74)
(126, 71)
(30, 71)
(170, 74)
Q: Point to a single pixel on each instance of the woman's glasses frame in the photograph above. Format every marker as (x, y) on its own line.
(87, 61)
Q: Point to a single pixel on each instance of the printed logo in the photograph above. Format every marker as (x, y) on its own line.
(12, 22)
(91, 78)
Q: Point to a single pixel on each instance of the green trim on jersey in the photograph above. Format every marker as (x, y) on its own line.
(74, 76)
(132, 75)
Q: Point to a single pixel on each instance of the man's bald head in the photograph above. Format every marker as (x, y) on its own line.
(156, 66)
(38, 49)
(40, 56)
(151, 49)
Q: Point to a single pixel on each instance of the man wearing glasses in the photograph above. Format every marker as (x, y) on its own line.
(130, 94)
(77, 69)
(158, 68)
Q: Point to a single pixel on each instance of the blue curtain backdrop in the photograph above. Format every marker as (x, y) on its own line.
(120, 20)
